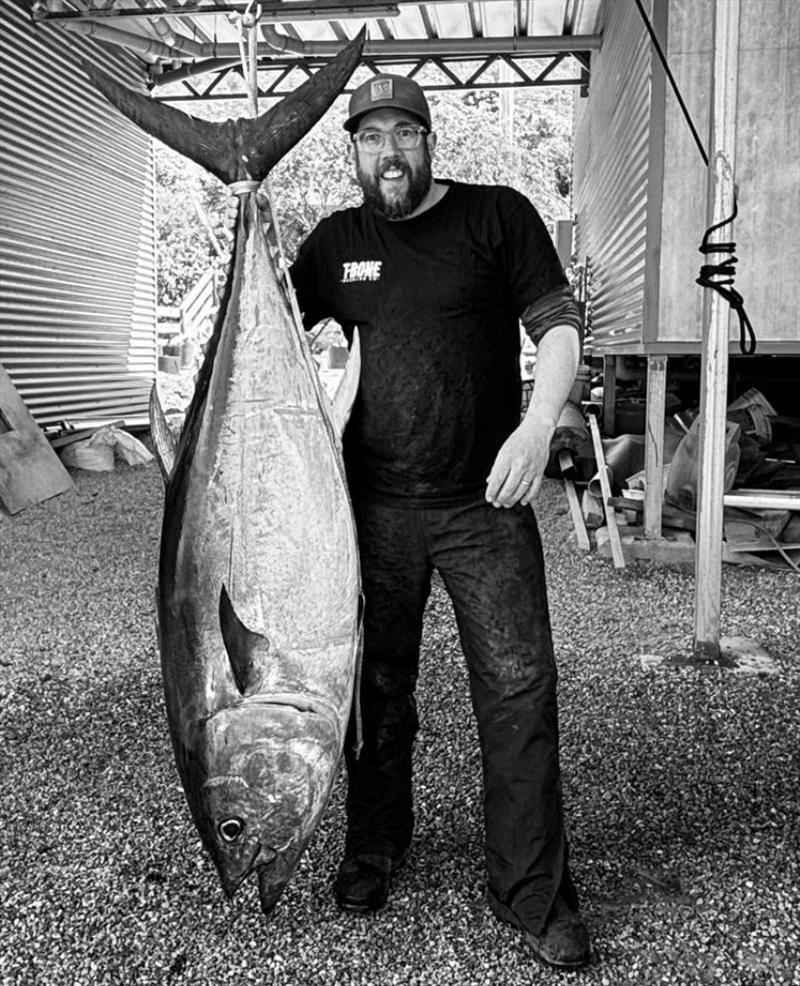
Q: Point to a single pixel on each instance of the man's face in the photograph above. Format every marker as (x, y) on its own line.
(394, 181)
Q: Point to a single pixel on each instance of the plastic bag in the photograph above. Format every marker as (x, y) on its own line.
(98, 452)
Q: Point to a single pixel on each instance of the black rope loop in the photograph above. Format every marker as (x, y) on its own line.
(720, 278)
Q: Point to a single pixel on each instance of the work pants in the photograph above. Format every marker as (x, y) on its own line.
(490, 560)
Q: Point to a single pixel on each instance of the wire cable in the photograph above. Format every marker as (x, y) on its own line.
(679, 96)
(719, 277)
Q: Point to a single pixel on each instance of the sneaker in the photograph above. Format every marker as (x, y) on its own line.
(563, 943)
(364, 880)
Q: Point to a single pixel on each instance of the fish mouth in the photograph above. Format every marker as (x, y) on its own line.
(262, 858)
(270, 886)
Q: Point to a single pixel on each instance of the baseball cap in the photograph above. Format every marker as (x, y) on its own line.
(387, 92)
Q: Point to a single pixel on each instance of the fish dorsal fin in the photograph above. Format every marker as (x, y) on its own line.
(348, 386)
(244, 646)
(163, 440)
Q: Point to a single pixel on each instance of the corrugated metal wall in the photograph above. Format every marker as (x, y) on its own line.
(77, 231)
(766, 174)
(611, 176)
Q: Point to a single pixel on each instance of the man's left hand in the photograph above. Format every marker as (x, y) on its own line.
(518, 469)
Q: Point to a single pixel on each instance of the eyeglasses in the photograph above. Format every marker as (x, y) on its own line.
(405, 138)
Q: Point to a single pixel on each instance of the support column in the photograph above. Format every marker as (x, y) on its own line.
(654, 445)
(716, 318)
(609, 395)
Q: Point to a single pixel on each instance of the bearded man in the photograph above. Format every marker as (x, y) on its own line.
(436, 276)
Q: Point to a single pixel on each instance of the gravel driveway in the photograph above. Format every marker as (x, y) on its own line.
(682, 785)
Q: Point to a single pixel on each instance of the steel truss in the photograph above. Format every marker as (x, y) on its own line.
(222, 78)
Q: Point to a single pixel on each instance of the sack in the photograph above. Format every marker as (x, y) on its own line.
(682, 480)
(97, 453)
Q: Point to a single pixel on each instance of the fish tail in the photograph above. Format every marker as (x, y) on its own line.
(237, 150)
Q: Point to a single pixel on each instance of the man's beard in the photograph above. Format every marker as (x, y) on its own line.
(419, 183)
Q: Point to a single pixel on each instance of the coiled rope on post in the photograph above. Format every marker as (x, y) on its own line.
(718, 277)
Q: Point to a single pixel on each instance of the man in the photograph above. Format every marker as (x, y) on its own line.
(436, 275)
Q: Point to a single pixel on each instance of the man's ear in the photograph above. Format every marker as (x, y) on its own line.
(431, 139)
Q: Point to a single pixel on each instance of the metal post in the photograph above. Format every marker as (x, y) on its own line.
(716, 317)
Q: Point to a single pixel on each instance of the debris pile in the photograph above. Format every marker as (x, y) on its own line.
(761, 489)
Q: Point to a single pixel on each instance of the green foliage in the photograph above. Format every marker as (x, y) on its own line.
(185, 195)
(522, 140)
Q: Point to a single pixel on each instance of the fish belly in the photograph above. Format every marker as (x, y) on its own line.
(267, 515)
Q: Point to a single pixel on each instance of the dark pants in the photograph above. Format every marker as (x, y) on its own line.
(491, 563)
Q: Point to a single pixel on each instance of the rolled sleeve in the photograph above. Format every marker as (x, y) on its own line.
(555, 307)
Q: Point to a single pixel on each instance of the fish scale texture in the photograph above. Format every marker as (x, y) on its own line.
(681, 786)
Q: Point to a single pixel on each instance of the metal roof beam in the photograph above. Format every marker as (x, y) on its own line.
(53, 10)
(417, 47)
(430, 21)
(270, 12)
(472, 78)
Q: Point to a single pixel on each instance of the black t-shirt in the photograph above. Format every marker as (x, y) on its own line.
(436, 299)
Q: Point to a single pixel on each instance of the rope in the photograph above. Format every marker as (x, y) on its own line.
(248, 50)
(718, 277)
(244, 186)
(777, 546)
(248, 53)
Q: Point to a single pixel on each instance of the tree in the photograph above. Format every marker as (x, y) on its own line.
(316, 177)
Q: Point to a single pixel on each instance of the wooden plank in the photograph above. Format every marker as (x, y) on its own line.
(611, 520)
(76, 436)
(654, 445)
(716, 320)
(763, 499)
(567, 467)
(30, 471)
(609, 394)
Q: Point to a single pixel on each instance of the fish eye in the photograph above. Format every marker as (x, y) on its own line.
(230, 829)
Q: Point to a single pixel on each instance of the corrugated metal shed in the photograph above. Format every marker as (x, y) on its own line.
(78, 282)
(77, 232)
(641, 184)
(611, 176)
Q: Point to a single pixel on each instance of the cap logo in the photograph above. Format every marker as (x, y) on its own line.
(380, 89)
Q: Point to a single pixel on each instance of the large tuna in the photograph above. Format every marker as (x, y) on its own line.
(259, 589)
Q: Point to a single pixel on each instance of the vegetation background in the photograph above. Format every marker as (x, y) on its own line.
(519, 137)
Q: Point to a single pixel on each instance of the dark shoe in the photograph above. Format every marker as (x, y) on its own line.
(563, 943)
(363, 881)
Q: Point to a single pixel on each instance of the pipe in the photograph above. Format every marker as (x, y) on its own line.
(422, 47)
(144, 46)
(192, 69)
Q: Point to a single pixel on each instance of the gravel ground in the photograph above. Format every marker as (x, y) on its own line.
(681, 785)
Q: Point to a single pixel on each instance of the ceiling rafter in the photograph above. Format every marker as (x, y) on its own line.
(177, 41)
(457, 74)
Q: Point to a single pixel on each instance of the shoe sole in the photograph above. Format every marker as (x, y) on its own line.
(507, 916)
(359, 908)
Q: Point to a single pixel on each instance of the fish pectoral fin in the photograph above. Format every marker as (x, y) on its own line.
(345, 395)
(243, 645)
(163, 440)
